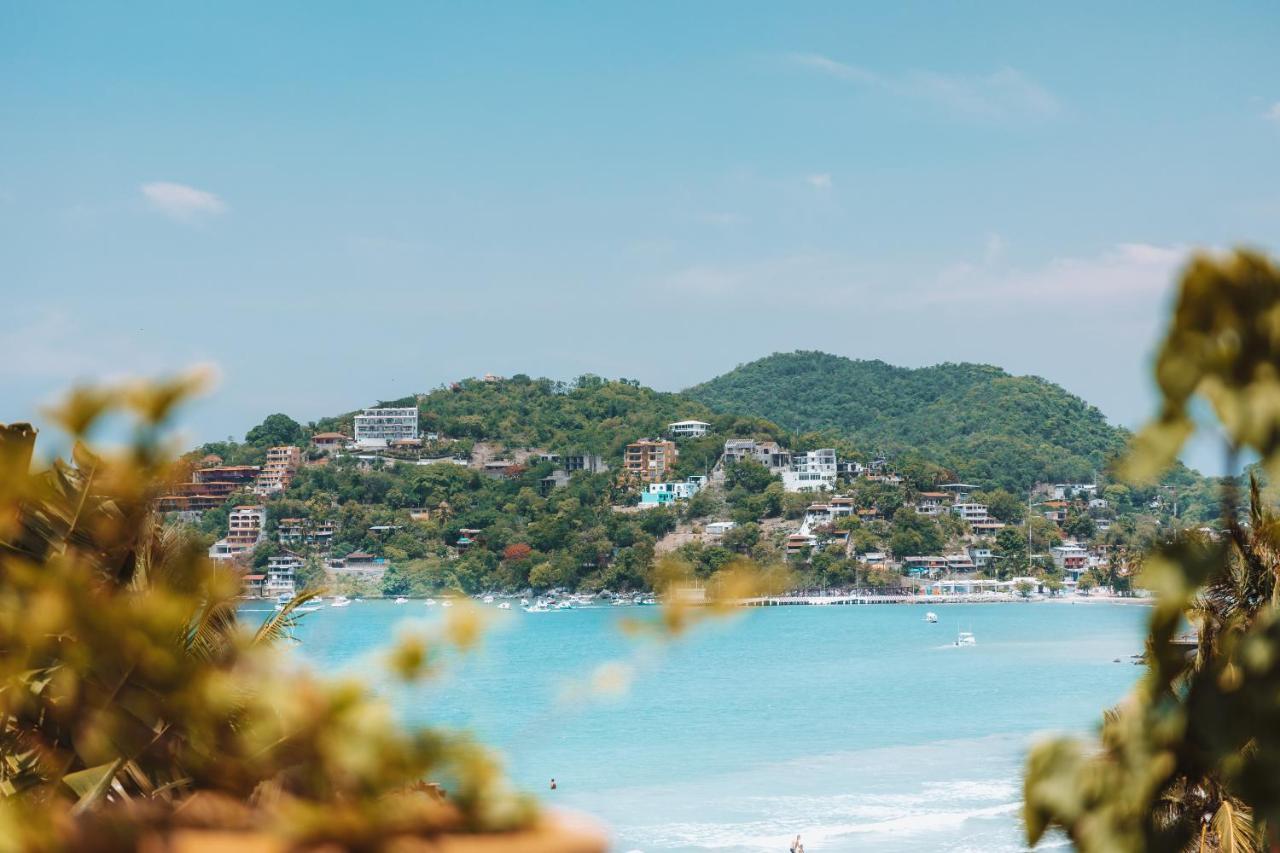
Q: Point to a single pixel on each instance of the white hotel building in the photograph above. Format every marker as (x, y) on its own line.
(380, 427)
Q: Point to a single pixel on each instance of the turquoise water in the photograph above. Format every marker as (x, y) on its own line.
(861, 728)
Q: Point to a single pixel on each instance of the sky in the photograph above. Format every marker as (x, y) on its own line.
(340, 203)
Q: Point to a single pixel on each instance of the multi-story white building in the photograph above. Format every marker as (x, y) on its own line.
(971, 512)
(811, 471)
(244, 532)
(282, 574)
(380, 427)
(688, 429)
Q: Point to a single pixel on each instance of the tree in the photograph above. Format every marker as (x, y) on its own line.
(277, 429)
(914, 534)
(749, 475)
(1085, 584)
(1024, 588)
(516, 552)
(1004, 506)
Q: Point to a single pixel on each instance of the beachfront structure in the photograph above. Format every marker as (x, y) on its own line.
(282, 463)
(649, 459)
(330, 442)
(665, 494)
(382, 427)
(930, 566)
(767, 453)
(282, 574)
(244, 532)
(688, 429)
(1070, 559)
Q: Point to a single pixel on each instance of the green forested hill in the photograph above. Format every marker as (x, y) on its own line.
(976, 420)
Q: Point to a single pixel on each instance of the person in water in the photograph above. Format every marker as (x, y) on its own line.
(796, 846)
(553, 783)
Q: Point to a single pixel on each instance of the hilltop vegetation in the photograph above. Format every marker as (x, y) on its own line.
(514, 530)
(976, 421)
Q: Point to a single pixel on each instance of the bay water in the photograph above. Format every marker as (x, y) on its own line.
(859, 728)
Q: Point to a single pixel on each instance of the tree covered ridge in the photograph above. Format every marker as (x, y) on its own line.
(975, 420)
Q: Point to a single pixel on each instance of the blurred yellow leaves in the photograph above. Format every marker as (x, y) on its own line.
(1223, 345)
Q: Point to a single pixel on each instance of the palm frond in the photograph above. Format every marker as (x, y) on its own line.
(280, 625)
(1233, 827)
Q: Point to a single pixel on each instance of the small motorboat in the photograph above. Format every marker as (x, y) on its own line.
(931, 617)
(431, 602)
(446, 603)
(524, 602)
(966, 638)
(537, 607)
(341, 601)
(402, 600)
(488, 599)
(505, 605)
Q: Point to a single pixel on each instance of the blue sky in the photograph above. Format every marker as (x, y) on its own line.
(338, 203)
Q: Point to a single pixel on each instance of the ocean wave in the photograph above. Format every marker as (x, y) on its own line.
(773, 835)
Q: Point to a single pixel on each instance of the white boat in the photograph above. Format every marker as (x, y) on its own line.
(931, 617)
(620, 602)
(488, 599)
(966, 638)
(341, 601)
(446, 603)
(431, 602)
(564, 605)
(402, 600)
(506, 605)
(317, 600)
(524, 602)
(539, 607)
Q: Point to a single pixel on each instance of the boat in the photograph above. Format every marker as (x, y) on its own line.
(431, 602)
(965, 638)
(506, 605)
(402, 600)
(341, 601)
(317, 600)
(446, 603)
(931, 617)
(524, 602)
(536, 607)
(488, 599)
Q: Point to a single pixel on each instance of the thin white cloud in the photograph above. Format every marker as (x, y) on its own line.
(1272, 113)
(1124, 273)
(820, 181)
(181, 202)
(1004, 93)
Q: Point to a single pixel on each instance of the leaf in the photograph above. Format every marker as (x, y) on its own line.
(92, 783)
(1233, 825)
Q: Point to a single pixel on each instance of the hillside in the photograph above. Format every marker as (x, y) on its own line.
(978, 421)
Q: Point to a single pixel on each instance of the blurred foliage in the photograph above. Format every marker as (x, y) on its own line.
(1190, 760)
(134, 704)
